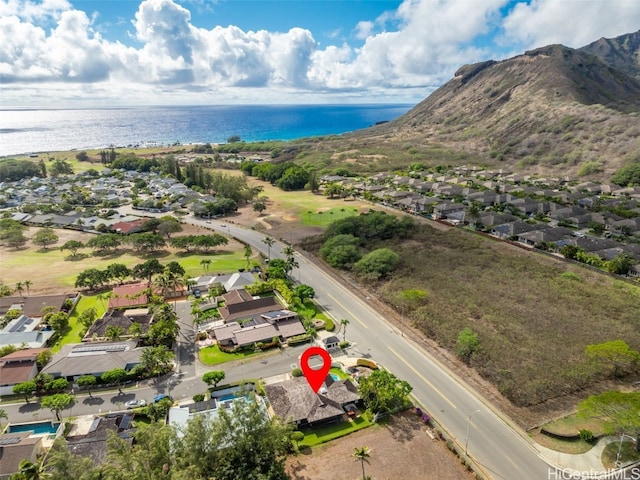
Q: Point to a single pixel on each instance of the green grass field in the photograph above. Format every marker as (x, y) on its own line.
(59, 270)
(213, 356)
(72, 335)
(323, 218)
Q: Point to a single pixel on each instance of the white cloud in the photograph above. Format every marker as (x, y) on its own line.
(574, 23)
(45, 45)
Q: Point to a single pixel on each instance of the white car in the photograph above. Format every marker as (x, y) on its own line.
(135, 404)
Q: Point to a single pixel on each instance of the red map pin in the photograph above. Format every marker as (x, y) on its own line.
(315, 377)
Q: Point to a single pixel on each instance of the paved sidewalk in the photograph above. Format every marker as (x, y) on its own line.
(587, 463)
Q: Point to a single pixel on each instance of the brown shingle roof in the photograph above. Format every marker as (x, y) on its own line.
(294, 400)
(256, 333)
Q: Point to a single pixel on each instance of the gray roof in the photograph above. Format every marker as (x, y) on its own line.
(34, 339)
(93, 358)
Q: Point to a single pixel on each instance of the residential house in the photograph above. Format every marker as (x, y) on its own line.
(24, 331)
(128, 227)
(446, 210)
(88, 436)
(294, 401)
(544, 234)
(127, 296)
(15, 447)
(122, 319)
(240, 304)
(512, 229)
(76, 360)
(33, 306)
(281, 324)
(18, 367)
(230, 281)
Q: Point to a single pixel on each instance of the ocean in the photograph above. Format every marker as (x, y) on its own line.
(48, 130)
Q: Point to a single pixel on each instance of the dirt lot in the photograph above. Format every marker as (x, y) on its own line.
(399, 450)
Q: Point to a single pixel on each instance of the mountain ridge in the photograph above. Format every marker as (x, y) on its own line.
(549, 109)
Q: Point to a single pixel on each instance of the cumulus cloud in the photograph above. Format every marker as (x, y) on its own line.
(574, 23)
(408, 51)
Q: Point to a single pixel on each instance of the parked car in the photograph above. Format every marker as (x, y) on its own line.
(160, 397)
(197, 293)
(135, 403)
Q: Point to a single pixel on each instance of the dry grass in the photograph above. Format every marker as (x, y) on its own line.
(532, 322)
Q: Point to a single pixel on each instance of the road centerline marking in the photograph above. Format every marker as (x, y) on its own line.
(422, 377)
(348, 311)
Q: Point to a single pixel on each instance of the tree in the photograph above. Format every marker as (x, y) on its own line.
(3, 416)
(259, 207)
(58, 402)
(167, 227)
(87, 381)
(58, 321)
(213, 378)
(268, 241)
(104, 243)
(150, 456)
(156, 360)
(206, 263)
(82, 156)
(255, 445)
(65, 465)
(147, 242)
(343, 323)
(25, 388)
(19, 289)
(467, 344)
(303, 292)
(148, 269)
(91, 278)
(620, 264)
(248, 251)
(175, 269)
(377, 264)
(115, 376)
(341, 251)
(60, 167)
(383, 392)
(620, 412)
(614, 358)
(113, 332)
(29, 470)
(43, 358)
(362, 454)
(28, 284)
(73, 246)
(118, 271)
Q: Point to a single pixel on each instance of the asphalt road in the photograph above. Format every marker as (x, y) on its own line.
(494, 443)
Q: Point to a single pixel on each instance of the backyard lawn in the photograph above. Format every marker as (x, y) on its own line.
(321, 434)
(72, 335)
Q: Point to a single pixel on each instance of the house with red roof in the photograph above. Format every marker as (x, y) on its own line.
(128, 296)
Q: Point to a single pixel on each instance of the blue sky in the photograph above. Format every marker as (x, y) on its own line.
(126, 52)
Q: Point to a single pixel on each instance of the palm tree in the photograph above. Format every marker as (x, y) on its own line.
(268, 241)
(344, 322)
(19, 288)
(248, 251)
(31, 471)
(3, 415)
(206, 263)
(363, 455)
(27, 284)
(113, 332)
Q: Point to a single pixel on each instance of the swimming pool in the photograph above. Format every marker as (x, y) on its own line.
(334, 376)
(226, 398)
(38, 428)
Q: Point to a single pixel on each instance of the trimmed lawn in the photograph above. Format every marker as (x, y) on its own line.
(213, 356)
(317, 435)
(324, 218)
(72, 335)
